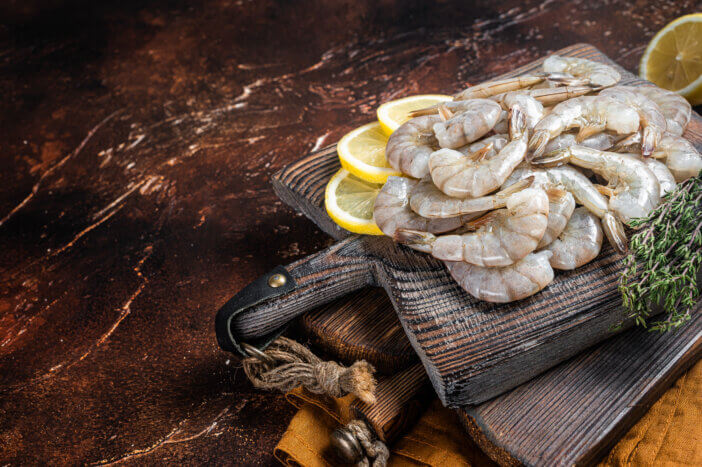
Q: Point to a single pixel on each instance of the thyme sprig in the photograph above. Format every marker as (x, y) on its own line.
(666, 253)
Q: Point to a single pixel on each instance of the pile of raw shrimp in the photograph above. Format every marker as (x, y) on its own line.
(497, 173)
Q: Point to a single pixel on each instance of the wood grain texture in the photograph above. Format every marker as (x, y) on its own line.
(107, 352)
(575, 413)
(474, 350)
(361, 326)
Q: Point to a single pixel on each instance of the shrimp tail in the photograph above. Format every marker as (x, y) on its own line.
(589, 130)
(552, 159)
(649, 140)
(522, 184)
(537, 143)
(431, 110)
(517, 123)
(614, 230)
(626, 143)
(420, 241)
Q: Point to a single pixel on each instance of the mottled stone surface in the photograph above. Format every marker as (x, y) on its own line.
(137, 143)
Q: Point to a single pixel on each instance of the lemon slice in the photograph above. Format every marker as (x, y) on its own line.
(362, 152)
(394, 113)
(673, 59)
(349, 202)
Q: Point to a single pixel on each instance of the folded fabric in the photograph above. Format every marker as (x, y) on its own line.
(669, 434)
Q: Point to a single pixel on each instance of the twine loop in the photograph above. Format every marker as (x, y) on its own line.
(376, 452)
(286, 364)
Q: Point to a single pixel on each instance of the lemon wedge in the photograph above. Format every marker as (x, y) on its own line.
(362, 152)
(673, 59)
(349, 202)
(394, 113)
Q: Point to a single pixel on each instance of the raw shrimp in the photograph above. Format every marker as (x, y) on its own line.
(463, 176)
(680, 155)
(633, 189)
(674, 107)
(410, 146)
(392, 211)
(504, 284)
(579, 243)
(560, 207)
(533, 109)
(499, 238)
(601, 141)
(592, 114)
(496, 142)
(665, 178)
(429, 202)
(545, 96)
(584, 192)
(653, 123)
(596, 74)
(492, 88)
(478, 116)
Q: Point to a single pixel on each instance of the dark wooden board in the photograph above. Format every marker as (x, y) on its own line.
(571, 414)
(472, 350)
(576, 412)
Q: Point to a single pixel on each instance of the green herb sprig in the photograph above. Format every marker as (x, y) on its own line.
(661, 269)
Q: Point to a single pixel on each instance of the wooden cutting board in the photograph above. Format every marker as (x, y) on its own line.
(471, 350)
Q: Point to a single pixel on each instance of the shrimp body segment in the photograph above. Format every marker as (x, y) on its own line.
(584, 192)
(579, 243)
(504, 284)
(560, 207)
(410, 146)
(592, 114)
(429, 202)
(477, 117)
(392, 211)
(499, 238)
(665, 178)
(680, 156)
(674, 107)
(653, 123)
(634, 190)
(595, 73)
(474, 176)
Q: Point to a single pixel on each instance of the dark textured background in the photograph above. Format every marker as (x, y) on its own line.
(136, 144)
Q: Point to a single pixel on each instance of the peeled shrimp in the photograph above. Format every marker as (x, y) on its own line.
(592, 114)
(595, 73)
(653, 123)
(579, 243)
(680, 155)
(463, 176)
(392, 211)
(633, 189)
(560, 207)
(429, 202)
(410, 146)
(504, 284)
(477, 117)
(584, 192)
(499, 238)
(674, 107)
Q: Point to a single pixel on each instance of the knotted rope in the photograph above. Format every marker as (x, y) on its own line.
(290, 364)
(376, 452)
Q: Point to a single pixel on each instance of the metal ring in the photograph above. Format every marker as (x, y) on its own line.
(253, 352)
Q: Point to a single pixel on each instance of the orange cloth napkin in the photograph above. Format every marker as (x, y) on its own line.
(669, 434)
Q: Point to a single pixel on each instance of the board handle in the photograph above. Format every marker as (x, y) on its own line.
(259, 312)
